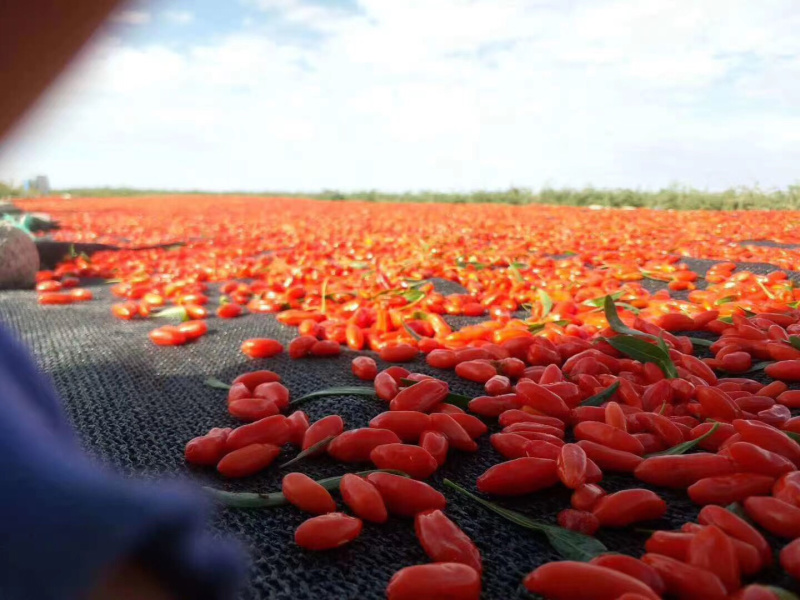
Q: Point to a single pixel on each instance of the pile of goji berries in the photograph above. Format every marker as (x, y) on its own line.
(577, 391)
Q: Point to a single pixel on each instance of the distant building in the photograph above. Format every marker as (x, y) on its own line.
(38, 186)
(41, 184)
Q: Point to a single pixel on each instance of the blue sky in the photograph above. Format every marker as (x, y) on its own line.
(303, 95)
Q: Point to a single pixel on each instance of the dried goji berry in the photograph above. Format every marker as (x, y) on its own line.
(726, 489)
(736, 527)
(298, 421)
(586, 496)
(248, 460)
(252, 409)
(578, 520)
(356, 445)
(712, 550)
(327, 531)
(261, 347)
(363, 498)
(518, 477)
(776, 516)
(407, 424)
(270, 430)
(443, 541)
(567, 580)
(422, 396)
(332, 425)
(609, 459)
(412, 460)
(399, 353)
(686, 581)
(406, 497)
(364, 368)
(456, 435)
(682, 470)
(436, 443)
(306, 494)
(633, 567)
(629, 506)
(790, 558)
(437, 581)
(571, 466)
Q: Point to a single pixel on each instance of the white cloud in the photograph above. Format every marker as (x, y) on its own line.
(445, 94)
(179, 17)
(131, 17)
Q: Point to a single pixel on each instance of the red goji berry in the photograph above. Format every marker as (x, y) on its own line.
(787, 488)
(776, 516)
(167, 335)
(406, 497)
(476, 370)
(726, 489)
(785, 370)
(737, 528)
(629, 506)
(493, 406)
(436, 443)
(422, 396)
(437, 581)
(356, 445)
(633, 567)
(325, 348)
(261, 348)
(193, 330)
(497, 385)
(608, 436)
(412, 460)
(207, 449)
(682, 470)
(474, 427)
(306, 494)
(328, 531)
(252, 409)
(790, 558)
(578, 520)
(769, 438)
(363, 498)
(407, 424)
(332, 425)
(248, 460)
(298, 421)
(753, 459)
(300, 347)
(456, 435)
(255, 378)
(712, 550)
(571, 466)
(364, 368)
(540, 398)
(609, 459)
(686, 581)
(399, 353)
(518, 477)
(228, 311)
(270, 430)
(567, 580)
(535, 428)
(443, 541)
(586, 496)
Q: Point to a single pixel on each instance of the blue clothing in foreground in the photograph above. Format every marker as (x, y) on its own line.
(65, 520)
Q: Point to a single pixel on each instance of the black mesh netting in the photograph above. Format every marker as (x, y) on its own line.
(135, 405)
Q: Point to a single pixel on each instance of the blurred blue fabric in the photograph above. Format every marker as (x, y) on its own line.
(65, 519)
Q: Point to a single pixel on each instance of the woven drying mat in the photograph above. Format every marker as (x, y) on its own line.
(135, 406)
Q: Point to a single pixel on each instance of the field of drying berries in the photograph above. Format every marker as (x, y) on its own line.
(438, 401)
